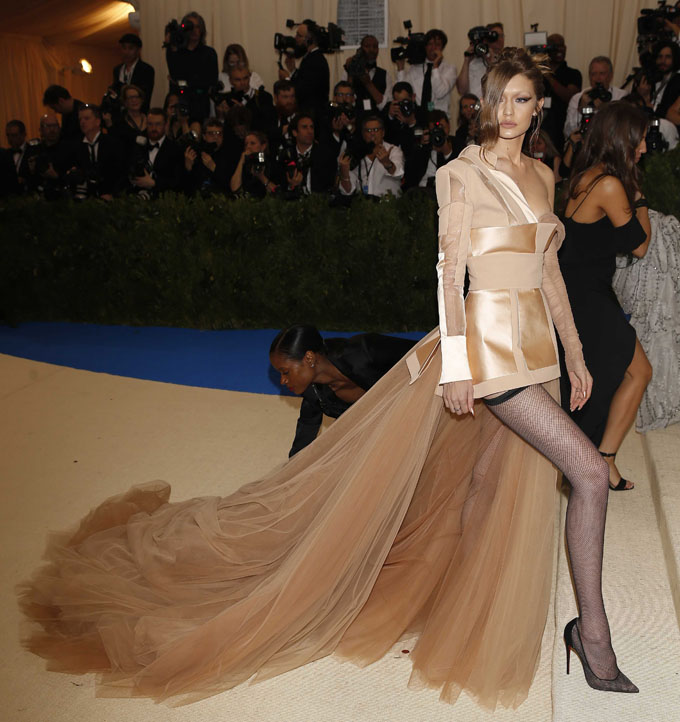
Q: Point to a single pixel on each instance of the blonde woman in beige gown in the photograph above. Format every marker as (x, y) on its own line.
(402, 518)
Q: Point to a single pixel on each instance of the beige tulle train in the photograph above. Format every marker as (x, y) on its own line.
(400, 519)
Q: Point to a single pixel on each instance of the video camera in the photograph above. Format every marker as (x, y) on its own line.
(329, 39)
(480, 37)
(179, 34)
(412, 46)
(651, 25)
(536, 42)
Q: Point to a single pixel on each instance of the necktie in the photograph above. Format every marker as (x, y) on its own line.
(426, 95)
(151, 146)
(93, 155)
(441, 160)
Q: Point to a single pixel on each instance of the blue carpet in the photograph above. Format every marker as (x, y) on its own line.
(233, 360)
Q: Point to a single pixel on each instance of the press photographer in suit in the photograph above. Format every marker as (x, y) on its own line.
(311, 167)
(436, 149)
(158, 164)
(98, 170)
(208, 167)
(368, 80)
(312, 78)
(133, 70)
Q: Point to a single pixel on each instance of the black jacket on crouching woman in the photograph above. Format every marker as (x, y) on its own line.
(364, 359)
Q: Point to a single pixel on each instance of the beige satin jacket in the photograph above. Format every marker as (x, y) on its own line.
(501, 336)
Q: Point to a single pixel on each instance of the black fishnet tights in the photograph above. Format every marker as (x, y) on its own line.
(538, 419)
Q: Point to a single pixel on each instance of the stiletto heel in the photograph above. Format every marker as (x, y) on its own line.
(623, 483)
(572, 640)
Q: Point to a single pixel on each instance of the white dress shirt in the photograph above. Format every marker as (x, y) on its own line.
(125, 75)
(93, 149)
(476, 71)
(443, 80)
(573, 114)
(432, 167)
(370, 177)
(153, 152)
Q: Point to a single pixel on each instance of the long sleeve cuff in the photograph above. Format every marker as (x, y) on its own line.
(455, 366)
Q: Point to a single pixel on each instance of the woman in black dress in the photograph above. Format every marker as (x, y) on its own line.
(330, 374)
(607, 215)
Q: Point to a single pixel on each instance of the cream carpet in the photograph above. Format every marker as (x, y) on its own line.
(71, 438)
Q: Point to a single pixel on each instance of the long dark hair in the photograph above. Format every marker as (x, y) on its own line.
(511, 62)
(613, 136)
(293, 342)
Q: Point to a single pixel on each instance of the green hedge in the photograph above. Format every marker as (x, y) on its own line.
(218, 263)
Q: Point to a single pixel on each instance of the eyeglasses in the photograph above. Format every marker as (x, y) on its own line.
(345, 95)
(372, 130)
(213, 132)
(132, 97)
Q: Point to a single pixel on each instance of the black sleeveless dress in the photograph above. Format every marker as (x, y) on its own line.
(588, 261)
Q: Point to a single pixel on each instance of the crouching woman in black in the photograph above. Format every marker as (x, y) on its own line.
(330, 375)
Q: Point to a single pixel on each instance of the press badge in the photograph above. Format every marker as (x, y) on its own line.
(367, 104)
(364, 189)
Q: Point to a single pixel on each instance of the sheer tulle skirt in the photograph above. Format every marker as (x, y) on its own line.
(400, 519)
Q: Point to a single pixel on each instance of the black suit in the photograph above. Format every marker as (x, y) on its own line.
(312, 84)
(70, 124)
(9, 183)
(167, 166)
(669, 96)
(364, 359)
(108, 169)
(143, 77)
(261, 107)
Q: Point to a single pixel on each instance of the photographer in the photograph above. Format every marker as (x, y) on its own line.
(434, 150)
(177, 114)
(310, 167)
(235, 57)
(562, 84)
(601, 90)
(433, 80)
(157, 166)
(666, 133)
(340, 128)
(285, 107)
(191, 62)
(15, 131)
(60, 101)
(667, 86)
(474, 66)
(255, 174)
(468, 108)
(133, 70)
(206, 164)
(49, 160)
(258, 101)
(380, 167)
(99, 168)
(368, 80)
(402, 116)
(312, 78)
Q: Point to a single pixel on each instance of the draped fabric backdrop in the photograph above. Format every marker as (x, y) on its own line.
(51, 35)
(605, 27)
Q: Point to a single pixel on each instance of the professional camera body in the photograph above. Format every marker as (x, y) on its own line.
(412, 47)
(599, 92)
(357, 65)
(337, 109)
(192, 140)
(407, 107)
(111, 101)
(179, 34)
(329, 39)
(480, 37)
(434, 137)
(254, 163)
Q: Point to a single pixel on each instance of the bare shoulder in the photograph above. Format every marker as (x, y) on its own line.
(545, 173)
(609, 187)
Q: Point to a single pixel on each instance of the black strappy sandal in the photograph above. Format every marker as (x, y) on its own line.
(623, 483)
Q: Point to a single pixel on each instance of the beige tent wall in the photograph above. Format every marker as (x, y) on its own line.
(602, 27)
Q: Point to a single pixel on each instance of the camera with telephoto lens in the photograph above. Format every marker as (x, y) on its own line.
(654, 140)
(480, 37)
(437, 135)
(337, 109)
(179, 34)
(412, 47)
(599, 92)
(587, 115)
(407, 107)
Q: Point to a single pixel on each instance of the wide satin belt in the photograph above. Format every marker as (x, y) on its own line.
(505, 270)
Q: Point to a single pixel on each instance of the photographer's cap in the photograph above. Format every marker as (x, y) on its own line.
(132, 39)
